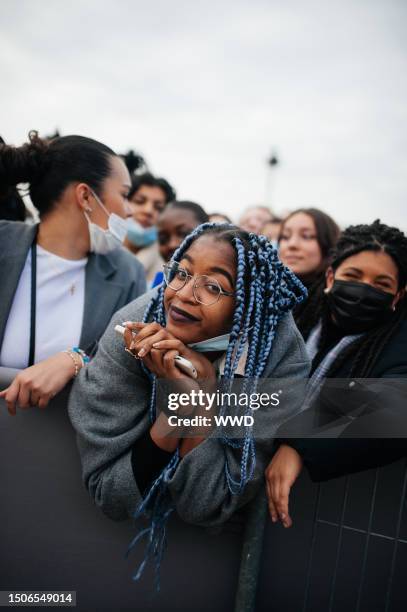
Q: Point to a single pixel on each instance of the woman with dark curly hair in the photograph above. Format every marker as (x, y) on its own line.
(148, 198)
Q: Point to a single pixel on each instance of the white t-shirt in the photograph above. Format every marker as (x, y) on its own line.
(59, 311)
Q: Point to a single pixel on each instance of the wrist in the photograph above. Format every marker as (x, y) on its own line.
(77, 358)
(82, 355)
(160, 434)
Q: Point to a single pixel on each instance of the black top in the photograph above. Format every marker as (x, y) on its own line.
(147, 461)
(327, 458)
(333, 335)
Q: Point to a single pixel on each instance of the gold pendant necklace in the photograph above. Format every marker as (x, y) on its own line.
(56, 269)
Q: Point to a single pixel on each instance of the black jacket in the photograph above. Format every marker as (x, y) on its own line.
(377, 437)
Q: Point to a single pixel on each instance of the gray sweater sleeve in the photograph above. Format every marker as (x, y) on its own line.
(109, 408)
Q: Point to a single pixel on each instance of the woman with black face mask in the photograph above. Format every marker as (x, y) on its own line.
(356, 328)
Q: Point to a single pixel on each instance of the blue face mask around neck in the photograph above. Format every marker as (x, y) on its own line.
(140, 236)
(219, 343)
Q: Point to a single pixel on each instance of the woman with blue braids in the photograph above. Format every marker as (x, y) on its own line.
(223, 284)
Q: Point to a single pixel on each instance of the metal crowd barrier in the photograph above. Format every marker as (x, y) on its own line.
(347, 549)
(52, 537)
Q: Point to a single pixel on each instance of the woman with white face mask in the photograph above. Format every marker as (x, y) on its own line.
(62, 279)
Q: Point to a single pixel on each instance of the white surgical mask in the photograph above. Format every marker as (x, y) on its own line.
(104, 241)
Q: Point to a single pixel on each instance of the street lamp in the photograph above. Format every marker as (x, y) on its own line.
(271, 164)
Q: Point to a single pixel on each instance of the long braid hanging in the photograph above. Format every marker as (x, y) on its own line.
(265, 290)
(273, 297)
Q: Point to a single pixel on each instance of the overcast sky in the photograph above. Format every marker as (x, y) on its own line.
(206, 90)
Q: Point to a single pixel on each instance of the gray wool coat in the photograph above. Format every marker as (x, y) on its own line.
(111, 280)
(109, 408)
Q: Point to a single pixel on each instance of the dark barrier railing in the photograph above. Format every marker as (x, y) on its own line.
(347, 549)
(251, 555)
(52, 537)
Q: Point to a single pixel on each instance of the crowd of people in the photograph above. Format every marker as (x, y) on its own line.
(295, 298)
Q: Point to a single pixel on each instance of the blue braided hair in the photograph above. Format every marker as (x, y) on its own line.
(265, 291)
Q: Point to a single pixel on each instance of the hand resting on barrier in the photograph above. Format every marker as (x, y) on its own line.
(38, 384)
(281, 473)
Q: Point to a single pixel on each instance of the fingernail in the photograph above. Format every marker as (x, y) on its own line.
(282, 516)
(142, 352)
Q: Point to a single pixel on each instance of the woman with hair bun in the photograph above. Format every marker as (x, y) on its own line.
(356, 329)
(12, 207)
(62, 279)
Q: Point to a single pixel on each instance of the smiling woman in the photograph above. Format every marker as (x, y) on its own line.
(222, 283)
(307, 237)
(189, 317)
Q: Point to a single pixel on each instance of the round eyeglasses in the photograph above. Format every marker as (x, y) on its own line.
(206, 290)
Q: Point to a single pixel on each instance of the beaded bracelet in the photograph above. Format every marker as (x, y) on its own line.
(82, 354)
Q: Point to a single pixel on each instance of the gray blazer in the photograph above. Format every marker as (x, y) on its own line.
(111, 280)
(109, 406)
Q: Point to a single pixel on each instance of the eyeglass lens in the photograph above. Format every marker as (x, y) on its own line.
(206, 289)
